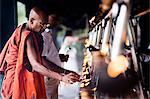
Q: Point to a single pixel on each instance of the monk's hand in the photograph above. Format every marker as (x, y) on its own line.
(72, 72)
(75, 74)
(69, 71)
(71, 78)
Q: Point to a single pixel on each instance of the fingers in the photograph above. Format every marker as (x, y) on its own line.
(73, 77)
(75, 80)
(75, 74)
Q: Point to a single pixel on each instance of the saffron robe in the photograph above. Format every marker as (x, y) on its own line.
(19, 82)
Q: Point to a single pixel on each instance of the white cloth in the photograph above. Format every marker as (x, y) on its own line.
(69, 91)
(51, 53)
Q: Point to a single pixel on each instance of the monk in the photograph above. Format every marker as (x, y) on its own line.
(22, 64)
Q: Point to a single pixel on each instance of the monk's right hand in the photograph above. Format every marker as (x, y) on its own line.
(70, 78)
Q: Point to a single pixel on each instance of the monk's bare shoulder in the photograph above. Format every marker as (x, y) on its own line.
(29, 41)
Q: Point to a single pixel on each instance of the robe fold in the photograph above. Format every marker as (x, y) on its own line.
(19, 82)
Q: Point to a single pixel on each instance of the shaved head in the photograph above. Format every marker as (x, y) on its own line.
(37, 13)
(37, 19)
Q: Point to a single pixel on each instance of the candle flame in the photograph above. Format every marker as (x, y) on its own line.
(117, 66)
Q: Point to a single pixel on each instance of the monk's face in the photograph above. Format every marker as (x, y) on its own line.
(37, 20)
(39, 25)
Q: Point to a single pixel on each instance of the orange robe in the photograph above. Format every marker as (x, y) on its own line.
(18, 82)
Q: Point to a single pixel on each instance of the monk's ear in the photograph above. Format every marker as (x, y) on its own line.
(31, 20)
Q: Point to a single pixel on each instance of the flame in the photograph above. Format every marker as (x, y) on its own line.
(127, 42)
(117, 66)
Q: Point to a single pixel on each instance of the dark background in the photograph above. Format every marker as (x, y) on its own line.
(71, 11)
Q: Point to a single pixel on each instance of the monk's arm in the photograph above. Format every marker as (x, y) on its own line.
(54, 67)
(36, 66)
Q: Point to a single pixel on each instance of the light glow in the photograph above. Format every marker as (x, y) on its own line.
(117, 66)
